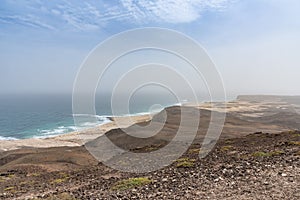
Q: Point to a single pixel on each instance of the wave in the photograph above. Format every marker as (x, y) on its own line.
(59, 130)
(100, 117)
(107, 117)
(45, 133)
(7, 138)
(137, 114)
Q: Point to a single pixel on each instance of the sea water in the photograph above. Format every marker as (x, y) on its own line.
(40, 116)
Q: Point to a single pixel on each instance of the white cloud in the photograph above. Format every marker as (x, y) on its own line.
(27, 20)
(87, 16)
(171, 11)
(93, 15)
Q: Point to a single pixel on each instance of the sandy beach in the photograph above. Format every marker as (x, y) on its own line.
(248, 108)
(244, 108)
(257, 153)
(76, 138)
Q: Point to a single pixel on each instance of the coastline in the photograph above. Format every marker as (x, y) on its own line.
(243, 108)
(257, 137)
(75, 138)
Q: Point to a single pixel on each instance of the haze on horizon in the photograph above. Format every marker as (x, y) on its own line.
(254, 44)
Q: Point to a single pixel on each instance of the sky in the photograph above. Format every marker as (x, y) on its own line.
(254, 44)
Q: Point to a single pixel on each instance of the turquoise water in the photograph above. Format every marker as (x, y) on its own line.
(39, 116)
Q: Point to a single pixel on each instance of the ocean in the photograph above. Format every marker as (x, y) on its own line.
(41, 116)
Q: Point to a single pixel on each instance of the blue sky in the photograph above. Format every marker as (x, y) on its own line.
(255, 44)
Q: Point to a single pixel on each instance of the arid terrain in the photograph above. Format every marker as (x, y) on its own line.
(256, 157)
(257, 166)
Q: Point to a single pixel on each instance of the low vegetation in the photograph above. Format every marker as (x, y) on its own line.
(194, 151)
(64, 177)
(131, 183)
(9, 188)
(226, 148)
(297, 143)
(185, 162)
(63, 196)
(267, 154)
(33, 174)
(228, 141)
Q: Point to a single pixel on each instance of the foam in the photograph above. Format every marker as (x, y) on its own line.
(46, 133)
(7, 138)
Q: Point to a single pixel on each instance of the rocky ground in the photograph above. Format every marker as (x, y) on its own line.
(256, 166)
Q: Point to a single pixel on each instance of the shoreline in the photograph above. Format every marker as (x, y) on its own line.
(75, 138)
(244, 109)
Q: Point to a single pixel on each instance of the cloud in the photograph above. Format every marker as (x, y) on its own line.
(171, 11)
(94, 15)
(27, 20)
(85, 16)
